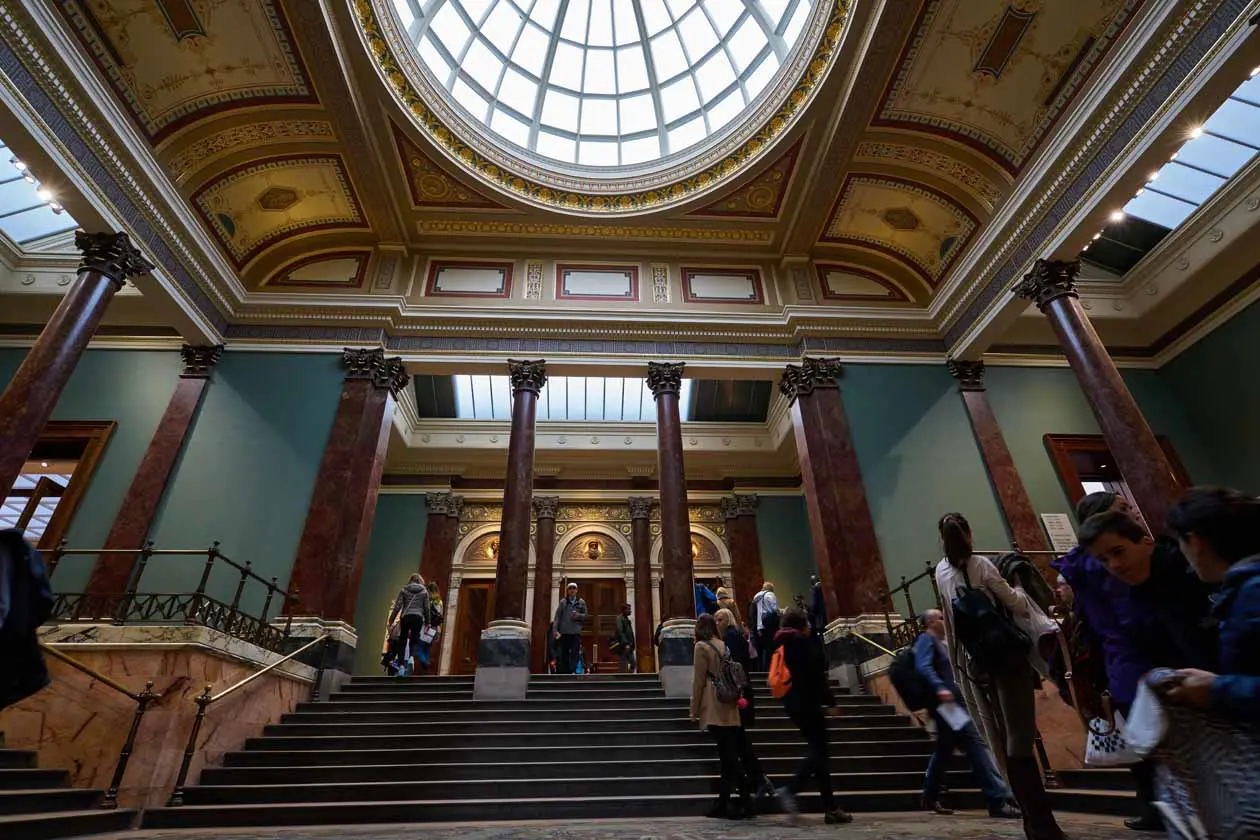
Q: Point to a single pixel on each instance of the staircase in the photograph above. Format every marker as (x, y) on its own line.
(598, 746)
(39, 804)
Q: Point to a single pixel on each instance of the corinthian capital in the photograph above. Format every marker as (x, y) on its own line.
(526, 375)
(810, 375)
(111, 254)
(444, 504)
(1049, 280)
(970, 375)
(640, 507)
(199, 360)
(546, 507)
(665, 377)
(371, 364)
(737, 505)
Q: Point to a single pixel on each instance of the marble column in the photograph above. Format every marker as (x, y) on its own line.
(31, 395)
(148, 486)
(441, 534)
(1146, 470)
(641, 542)
(503, 654)
(545, 509)
(678, 604)
(329, 562)
(1021, 520)
(845, 546)
(741, 538)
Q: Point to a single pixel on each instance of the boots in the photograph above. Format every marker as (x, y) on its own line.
(1025, 779)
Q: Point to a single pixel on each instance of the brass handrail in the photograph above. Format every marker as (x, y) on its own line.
(870, 642)
(143, 700)
(204, 700)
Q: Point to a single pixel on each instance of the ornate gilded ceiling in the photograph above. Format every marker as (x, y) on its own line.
(320, 162)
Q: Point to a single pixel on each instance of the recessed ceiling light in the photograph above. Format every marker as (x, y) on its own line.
(1196, 132)
(1139, 192)
(1255, 71)
(1086, 248)
(1153, 176)
(1117, 216)
(43, 463)
(19, 165)
(1173, 156)
(1097, 236)
(44, 194)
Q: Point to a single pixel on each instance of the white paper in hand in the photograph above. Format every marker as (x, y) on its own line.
(956, 716)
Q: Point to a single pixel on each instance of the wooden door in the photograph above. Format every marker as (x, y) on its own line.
(476, 608)
(604, 600)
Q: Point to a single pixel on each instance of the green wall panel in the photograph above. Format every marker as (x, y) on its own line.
(392, 557)
(787, 552)
(1216, 383)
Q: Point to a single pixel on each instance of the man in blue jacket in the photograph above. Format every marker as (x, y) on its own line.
(931, 660)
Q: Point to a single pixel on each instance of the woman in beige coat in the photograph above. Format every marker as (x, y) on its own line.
(720, 719)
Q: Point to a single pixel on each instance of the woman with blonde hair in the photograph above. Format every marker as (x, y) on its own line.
(736, 641)
(721, 720)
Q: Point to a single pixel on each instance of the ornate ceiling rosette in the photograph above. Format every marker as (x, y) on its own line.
(623, 190)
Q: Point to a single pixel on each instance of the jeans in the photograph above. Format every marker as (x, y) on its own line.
(817, 761)
(733, 778)
(968, 739)
(409, 635)
(570, 652)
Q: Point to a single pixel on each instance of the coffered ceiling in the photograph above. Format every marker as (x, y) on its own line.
(854, 211)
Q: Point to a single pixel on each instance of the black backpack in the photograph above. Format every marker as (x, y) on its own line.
(986, 631)
(913, 688)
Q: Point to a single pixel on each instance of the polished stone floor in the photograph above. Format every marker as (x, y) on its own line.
(864, 827)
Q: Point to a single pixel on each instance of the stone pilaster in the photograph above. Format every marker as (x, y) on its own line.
(641, 542)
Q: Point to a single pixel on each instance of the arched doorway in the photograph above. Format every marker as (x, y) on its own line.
(600, 560)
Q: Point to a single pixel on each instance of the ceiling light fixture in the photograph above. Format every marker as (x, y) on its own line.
(1117, 216)
(1153, 176)
(44, 194)
(43, 464)
(1196, 132)
(1174, 155)
(56, 208)
(17, 164)
(28, 177)
(1255, 71)
(1139, 192)
(1097, 236)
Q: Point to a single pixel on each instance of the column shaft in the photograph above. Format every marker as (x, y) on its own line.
(512, 573)
(139, 506)
(1142, 462)
(30, 397)
(641, 542)
(741, 538)
(845, 544)
(678, 584)
(329, 561)
(441, 535)
(545, 508)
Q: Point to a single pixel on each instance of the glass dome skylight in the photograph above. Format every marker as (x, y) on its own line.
(604, 82)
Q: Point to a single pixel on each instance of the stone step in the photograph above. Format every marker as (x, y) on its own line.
(58, 824)
(570, 738)
(267, 753)
(1098, 778)
(515, 787)
(52, 799)
(540, 727)
(357, 713)
(16, 759)
(1110, 802)
(478, 810)
(31, 778)
(578, 769)
(419, 701)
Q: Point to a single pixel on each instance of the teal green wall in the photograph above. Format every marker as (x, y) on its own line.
(787, 553)
(919, 460)
(392, 557)
(1217, 385)
(131, 387)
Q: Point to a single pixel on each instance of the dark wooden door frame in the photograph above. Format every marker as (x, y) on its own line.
(1061, 447)
(463, 645)
(94, 435)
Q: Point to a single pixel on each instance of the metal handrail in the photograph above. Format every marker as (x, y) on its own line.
(205, 699)
(143, 700)
(870, 642)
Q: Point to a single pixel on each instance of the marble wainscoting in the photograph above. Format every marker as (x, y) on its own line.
(81, 724)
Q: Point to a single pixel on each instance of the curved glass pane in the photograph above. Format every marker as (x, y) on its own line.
(604, 82)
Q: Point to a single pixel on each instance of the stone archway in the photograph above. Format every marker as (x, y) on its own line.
(711, 558)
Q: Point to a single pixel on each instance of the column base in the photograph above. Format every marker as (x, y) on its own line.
(502, 661)
(343, 639)
(677, 656)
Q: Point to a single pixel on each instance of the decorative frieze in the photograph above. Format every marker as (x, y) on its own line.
(533, 280)
(810, 375)
(660, 284)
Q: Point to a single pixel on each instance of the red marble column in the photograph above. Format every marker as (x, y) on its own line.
(1021, 520)
(545, 509)
(329, 560)
(135, 514)
(437, 555)
(845, 545)
(28, 400)
(1052, 286)
(741, 538)
(678, 597)
(512, 573)
(641, 542)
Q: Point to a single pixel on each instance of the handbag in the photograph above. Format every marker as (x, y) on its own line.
(1209, 774)
(395, 631)
(1104, 743)
(427, 635)
(1147, 723)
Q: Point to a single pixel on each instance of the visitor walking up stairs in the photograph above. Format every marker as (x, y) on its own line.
(596, 746)
(39, 804)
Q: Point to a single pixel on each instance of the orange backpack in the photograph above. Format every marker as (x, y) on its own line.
(780, 677)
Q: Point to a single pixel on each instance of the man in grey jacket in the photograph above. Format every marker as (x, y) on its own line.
(569, 618)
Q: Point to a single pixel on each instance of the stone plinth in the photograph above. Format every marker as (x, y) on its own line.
(502, 661)
(677, 656)
(338, 658)
(80, 723)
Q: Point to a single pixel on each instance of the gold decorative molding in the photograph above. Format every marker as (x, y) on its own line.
(232, 140)
(678, 234)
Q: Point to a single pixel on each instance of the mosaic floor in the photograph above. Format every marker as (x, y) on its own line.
(864, 827)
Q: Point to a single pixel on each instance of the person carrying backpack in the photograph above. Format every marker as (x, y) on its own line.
(763, 620)
(26, 601)
(715, 707)
(992, 653)
(931, 662)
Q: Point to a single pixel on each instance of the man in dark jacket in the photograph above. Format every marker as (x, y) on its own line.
(817, 605)
(932, 662)
(25, 603)
(570, 616)
(624, 640)
(809, 702)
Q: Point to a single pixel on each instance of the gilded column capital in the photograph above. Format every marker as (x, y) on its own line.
(1049, 280)
(444, 504)
(371, 364)
(546, 507)
(111, 254)
(810, 375)
(640, 507)
(665, 377)
(970, 374)
(198, 361)
(739, 505)
(527, 375)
